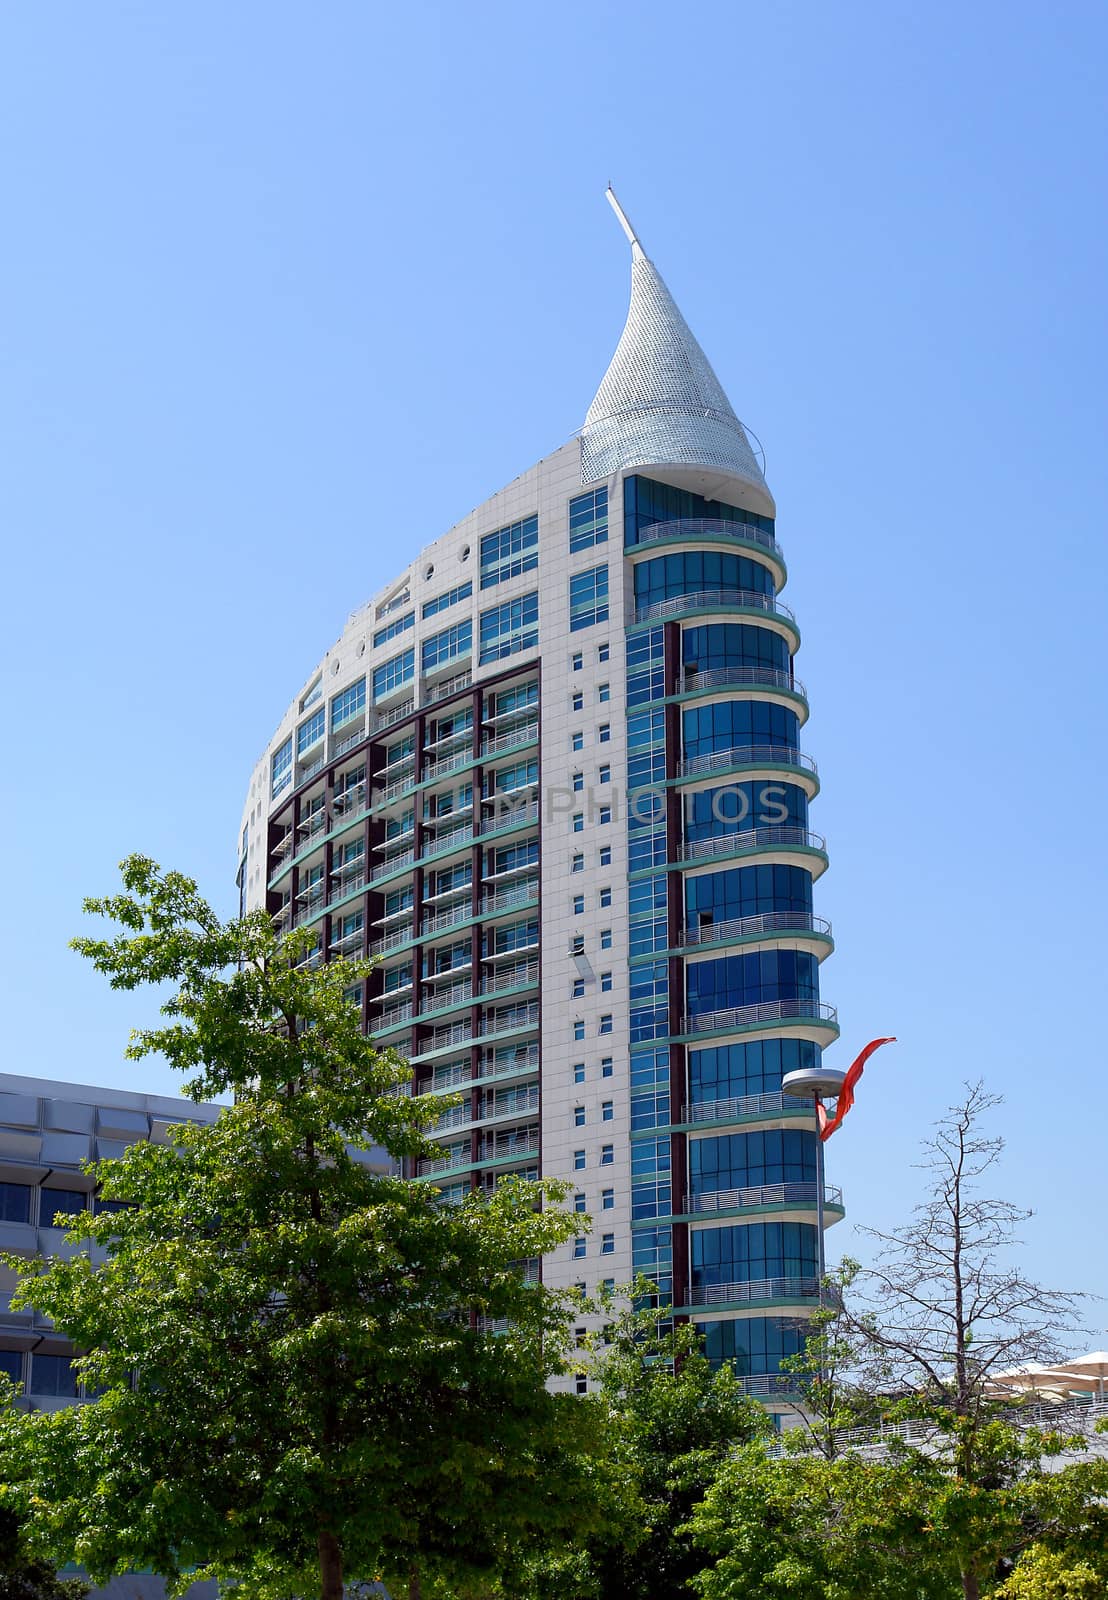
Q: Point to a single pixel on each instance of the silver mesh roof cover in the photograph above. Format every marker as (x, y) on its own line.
(660, 402)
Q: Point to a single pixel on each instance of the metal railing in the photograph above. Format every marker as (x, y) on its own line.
(509, 816)
(523, 1143)
(492, 1068)
(442, 999)
(765, 1194)
(751, 927)
(753, 839)
(753, 1016)
(406, 859)
(445, 919)
(748, 677)
(510, 1102)
(522, 894)
(448, 842)
(746, 755)
(698, 527)
(517, 1017)
(341, 746)
(445, 764)
(514, 978)
(385, 719)
(443, 691)
(714, 1294)
(744, 1105)
(509, 741)
(714, 600)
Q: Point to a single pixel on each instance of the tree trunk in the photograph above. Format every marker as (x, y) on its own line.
(330, 1566)
(971, 1589)
(415, 1588)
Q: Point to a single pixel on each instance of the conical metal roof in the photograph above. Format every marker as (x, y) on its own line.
(660, 403)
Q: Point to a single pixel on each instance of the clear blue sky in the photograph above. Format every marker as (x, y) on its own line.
(288, 289)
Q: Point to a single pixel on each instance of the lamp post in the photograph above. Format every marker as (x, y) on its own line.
(816, 1084)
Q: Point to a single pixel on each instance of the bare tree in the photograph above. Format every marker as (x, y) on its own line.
(945, 1307)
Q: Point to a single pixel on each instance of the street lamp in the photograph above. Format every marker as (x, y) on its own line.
(816, 1084)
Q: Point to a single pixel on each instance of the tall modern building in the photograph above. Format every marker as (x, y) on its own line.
(550, 779)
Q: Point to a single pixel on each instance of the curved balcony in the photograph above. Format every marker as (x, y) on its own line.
(739, 1019)
(746, 755)
(765, 1194)
(757, 927)
(772, 1104)
(729, 844)
(756, 1289)
(708, 528)
(740, 678)
(716, 600)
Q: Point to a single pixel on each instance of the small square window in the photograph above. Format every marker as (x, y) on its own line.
(605, 938)
(609, 1284)
(579, 700)
(578, 989)
(579, 1248)
(581, 1384)
(604, 732)
(607, 1199)
(607, 1155)
(607, 1244)
(606, 1066)
(578, 1072)
(578, 1116)
(578, 821)
(605, 983)
(579, 1201)
(605, 898)
(605, 773)
(604, 815)
(605, 855)
(579, 905)
(577, 740)
(579, 1161)
(578, 1029)
(602, 652)
(604, 692)
(607, 1112)
(578, 660)
(578, 863)
(605, 1023)
(579, 1337)
(578, 782)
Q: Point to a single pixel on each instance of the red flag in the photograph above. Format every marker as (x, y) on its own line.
(846, 1094)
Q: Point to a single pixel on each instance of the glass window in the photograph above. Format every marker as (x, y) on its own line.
(431, 608)
(752, 1344)
(588, 598)
(605, 898)
(51, 1201)
(607, 1111)
(506, 629)
(605, 773)
(602, 652)
(605, 858)
(606, 1066)
(309, 732)
(579, 701)
(604, 693)
(607, 1155)
(578, 863)
(392, 629)
(578, 782)
(578, 989)
(605, 980)
(53, 1375)
(579, 1246)
(692, 572)
(604, 733)
(607, 1244)
(578, 1072)
(578, 1161)
(578, 821)
(604, 815)
(733, 724)
(578, 1029)
(753, 978)
(577, 661)
(281, 768)
(588, 520)
(607, 1199)
(579, 1202)
(11, 1365)
(509, 551)
(347, 705)
(447, 645)
(578, 905)
(605, 1024)
(750, 1160)
(605, 938)
(725, 646)
(577, 741)
(392, 674)
(15, 1202)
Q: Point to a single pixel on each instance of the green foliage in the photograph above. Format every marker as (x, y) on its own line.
(1042, 1574)
(24, 1576)
(672, 1421)
(297, 1384)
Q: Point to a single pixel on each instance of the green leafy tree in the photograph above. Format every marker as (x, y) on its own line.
(299, 1385)
(24, 1576)
(672, 1421)
(1042, 1574)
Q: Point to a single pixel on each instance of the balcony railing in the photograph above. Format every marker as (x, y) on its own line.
(753, 839)
(523, 1143)
(359, 736)
(714, 1294)
(405, 859)
(754, 1016)
(714, 600)
(445, 919)
(746, 755)
(752, 927)
(510, 816)
(711, 527)
(766, 1194)
(521, 894)
(510, 741)
(515, 1017)
(445, 764)
(744, 1105)
(744, 677)
(443, 691)
(527, 1061)
(510, 1103)
(513, 978)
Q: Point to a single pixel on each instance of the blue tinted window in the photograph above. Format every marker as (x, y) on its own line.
(754, 1251)
(15, 1202)
(733, 724)
(53, 1375)
(752, 1345)
(281, 768)
(720, 645)
(646, 502)
(588, 520)
(445, 646)
(737, 808)
(391, 674)
(309, 732)
(391, 629)
(431, 608)
(751, 1160)
(11, 1365)
(746, 892)
(348, 704)
(509, 628)
(752, 978)
(588, 598)
(699, 572)
(509, 551)
(733, 1071)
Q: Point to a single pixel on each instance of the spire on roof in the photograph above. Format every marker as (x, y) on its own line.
(660, 404)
